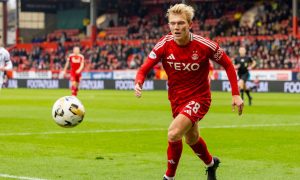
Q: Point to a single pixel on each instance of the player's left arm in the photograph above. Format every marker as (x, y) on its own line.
(221, 58)
(8, 64)
(235, 63)
(79, 70)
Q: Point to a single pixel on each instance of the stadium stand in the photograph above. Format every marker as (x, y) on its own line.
(260, 26)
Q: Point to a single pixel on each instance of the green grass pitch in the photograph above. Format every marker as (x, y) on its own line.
(125, 138)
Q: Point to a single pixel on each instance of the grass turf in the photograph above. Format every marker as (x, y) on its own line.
(123, 137)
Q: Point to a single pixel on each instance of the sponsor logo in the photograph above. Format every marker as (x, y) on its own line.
(171, 161)
(226, 86)
(124, 74)
(218, 54)
(43, 84)
(152, 55)
(262, 87)
(171, 57)
(32, 75)
(91, 84)
(298, 76)
(12, 83)
(102, 75)
(189, 112)
(129, 85)
(184, 66)
(292, 87)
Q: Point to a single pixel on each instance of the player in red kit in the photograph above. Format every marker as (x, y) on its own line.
(76, 60)
(185, 57)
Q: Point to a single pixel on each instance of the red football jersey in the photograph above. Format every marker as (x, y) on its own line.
(187, 67)
(75, 61)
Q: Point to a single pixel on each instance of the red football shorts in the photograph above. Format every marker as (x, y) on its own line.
(75, 77)
(194, 109)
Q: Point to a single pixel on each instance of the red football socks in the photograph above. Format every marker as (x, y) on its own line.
(74, 91)
(174, 154)
(201, 151)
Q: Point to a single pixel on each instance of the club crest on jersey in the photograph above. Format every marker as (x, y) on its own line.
(195, 55)
(152, 55)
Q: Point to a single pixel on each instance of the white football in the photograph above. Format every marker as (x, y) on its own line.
(68, 111)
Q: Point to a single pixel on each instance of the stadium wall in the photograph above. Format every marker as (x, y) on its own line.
(266, 75)
(216, 85)
(28, 34)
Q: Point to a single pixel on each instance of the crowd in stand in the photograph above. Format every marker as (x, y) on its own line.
(270, 53)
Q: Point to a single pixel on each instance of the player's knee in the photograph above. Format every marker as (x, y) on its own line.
(192, 139)
(174, 135)
(241, 84)
(74, 83)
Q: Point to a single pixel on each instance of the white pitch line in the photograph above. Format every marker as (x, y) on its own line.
(144, 130)
(19, 177)
(81, 132)
(249, 125)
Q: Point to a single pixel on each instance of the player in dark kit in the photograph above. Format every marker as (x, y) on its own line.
(185, 57)
(243, 64)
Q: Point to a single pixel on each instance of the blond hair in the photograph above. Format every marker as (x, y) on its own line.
(187, 10)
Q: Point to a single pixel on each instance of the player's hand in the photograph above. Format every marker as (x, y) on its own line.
(237, 102)
(138, 90)
(77, 72)
(2, 69)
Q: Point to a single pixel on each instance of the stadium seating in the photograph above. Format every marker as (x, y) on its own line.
(117, 46)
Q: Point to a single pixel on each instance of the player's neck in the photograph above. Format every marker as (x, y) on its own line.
(183, 41)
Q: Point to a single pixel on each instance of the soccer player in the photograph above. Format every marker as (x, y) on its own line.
(243, 64)
(5, 63)
(185, 57)
(77, 63)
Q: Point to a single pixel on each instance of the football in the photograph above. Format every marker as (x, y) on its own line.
(68, 111)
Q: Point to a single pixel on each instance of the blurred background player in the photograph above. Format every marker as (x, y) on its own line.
(5, 64)
(185, 57)
(76, 60)
(243, 64)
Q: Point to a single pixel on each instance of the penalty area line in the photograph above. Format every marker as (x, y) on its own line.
(146, 130)
(19, 177)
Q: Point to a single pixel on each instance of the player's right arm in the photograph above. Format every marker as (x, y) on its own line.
(153, 58)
